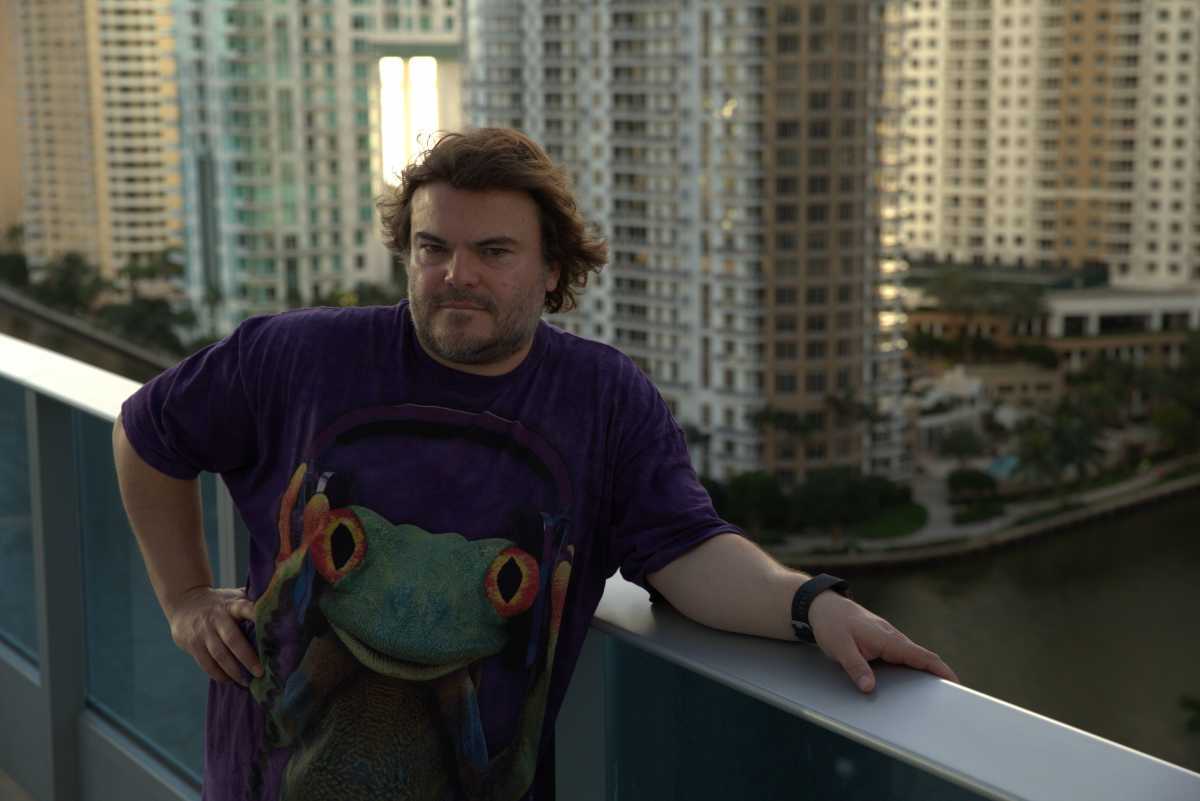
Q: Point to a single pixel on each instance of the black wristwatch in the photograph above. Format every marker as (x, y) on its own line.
(804, 597)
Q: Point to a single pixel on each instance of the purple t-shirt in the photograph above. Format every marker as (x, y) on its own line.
(427, 546)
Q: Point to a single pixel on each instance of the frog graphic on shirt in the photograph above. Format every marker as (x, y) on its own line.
(394, 621)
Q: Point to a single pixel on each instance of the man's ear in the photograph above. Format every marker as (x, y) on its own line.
(553, 272)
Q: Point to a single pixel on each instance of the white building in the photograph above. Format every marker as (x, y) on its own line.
(283, 111)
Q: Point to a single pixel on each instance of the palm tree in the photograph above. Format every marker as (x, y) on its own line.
(14, 238)
(1038, 460)
(1075, 438)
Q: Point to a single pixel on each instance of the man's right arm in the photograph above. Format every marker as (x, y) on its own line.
(165, 515)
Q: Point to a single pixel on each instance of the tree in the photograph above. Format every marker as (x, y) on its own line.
(848, 409)
(14, 239)
(1177, 425)
(153, 322)
(961, 443)
(1047, 447)
(14, 270)
(69, 284)
(966, 482)
(150, 316)
(363, 294)
(1038, 461)
(14, 267)
(1075, 436)
(756, 501)
(829, 499)
(790, 424)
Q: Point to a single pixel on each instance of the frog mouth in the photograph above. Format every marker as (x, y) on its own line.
(386, 665)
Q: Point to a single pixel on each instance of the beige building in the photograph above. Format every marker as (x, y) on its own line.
(1049, 132)
(100, 141)
(11, 190)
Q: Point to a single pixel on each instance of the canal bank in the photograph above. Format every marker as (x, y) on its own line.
(938, 542)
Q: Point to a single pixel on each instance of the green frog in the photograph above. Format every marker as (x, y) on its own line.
(382, 703)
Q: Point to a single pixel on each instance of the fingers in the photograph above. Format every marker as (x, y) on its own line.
(242, 609)
(220, 653)
(206, 627)
(845, 652)
(236, 642)
(902, 651)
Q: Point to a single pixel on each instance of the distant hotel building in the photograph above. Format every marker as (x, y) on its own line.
(729, 150)
(283, 108)
(11, 185)
(1052, 132)
(100, 150)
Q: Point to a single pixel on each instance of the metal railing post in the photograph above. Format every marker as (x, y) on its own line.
(581, 738)
(58, 585)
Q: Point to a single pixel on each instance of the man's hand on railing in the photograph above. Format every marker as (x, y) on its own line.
(729, 583)
(204, 623)
(852, 636)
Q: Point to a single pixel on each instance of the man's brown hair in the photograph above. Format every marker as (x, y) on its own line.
(485, 159)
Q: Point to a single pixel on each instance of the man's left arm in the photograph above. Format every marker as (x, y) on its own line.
(729, 583)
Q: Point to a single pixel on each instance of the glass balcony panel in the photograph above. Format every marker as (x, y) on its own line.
(18, 625)
(136, 674)
(673, 733)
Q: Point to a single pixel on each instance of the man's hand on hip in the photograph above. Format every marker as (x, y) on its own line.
(204, 623)
(852, 636)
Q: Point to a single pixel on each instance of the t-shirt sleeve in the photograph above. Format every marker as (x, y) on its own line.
(660, 508)
(197, 416)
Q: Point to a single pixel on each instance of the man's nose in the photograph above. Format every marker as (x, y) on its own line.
(463, 269)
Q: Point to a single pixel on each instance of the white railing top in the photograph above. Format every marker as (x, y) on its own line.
(990, 747)
(79, 385)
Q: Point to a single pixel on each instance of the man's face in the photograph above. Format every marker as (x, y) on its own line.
(477, 283)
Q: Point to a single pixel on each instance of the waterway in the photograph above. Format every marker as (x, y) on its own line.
(1097, 626)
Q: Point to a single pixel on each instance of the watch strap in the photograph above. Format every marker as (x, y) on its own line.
(805, 595)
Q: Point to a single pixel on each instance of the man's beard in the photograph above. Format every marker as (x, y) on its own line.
(449, 342)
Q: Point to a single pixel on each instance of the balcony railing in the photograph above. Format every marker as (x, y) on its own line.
(97, 703)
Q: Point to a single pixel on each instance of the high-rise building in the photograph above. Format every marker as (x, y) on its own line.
(294, 115)
(1045, 132)
(728, 151)
(100, 150)
(11, 187)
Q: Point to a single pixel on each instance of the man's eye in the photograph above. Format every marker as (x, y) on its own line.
(430, 249)
(495, 252)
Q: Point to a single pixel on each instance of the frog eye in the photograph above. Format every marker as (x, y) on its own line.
(340, 547)
(511, 582)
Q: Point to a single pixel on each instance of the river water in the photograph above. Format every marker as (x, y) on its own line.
(1097, 626)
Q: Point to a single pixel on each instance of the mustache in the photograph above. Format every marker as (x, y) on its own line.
(463, 296)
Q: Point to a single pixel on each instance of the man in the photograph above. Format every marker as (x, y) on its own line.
(436, 493)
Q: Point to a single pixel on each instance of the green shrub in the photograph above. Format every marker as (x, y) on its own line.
(969, 483)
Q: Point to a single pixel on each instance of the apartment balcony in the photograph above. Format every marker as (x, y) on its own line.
(99, 704)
